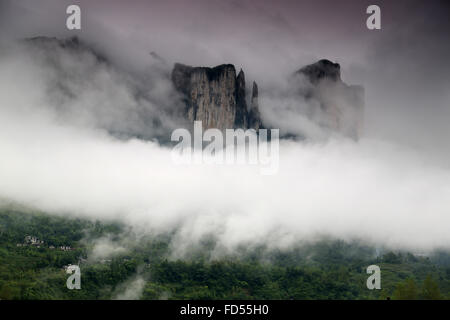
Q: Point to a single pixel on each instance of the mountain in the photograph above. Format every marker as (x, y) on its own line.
(216, 96)
(342, 106)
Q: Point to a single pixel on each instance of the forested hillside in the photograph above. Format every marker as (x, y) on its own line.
(35, 248)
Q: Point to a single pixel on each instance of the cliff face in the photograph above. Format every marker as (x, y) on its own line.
(254, 117)
(321, 70)
(215, 96)
(341, 105)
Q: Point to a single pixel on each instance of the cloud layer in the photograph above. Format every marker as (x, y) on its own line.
(62, 119)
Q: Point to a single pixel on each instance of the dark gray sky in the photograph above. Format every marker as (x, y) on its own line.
(403, 67)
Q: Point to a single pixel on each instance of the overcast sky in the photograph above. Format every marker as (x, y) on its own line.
(403, 67)
(392, 187)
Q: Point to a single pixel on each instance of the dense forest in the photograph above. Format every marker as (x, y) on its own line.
(36, 247)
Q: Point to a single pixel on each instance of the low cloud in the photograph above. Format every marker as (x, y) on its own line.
(131, 289)
(70, 161)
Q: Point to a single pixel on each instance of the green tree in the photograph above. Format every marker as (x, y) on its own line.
(406, 290)
(430, 289)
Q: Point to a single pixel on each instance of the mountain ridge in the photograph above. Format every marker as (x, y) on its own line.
(218, 96)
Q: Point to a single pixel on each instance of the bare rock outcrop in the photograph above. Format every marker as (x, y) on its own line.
(254, 117)
(215, 96)
(342, 105)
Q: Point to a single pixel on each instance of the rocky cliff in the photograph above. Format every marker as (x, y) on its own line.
(216, 96)
(254, 117)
